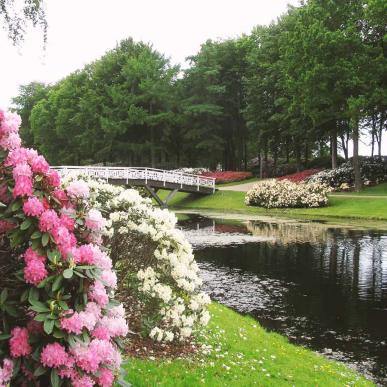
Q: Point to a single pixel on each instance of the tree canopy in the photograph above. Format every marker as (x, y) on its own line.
(286, 93)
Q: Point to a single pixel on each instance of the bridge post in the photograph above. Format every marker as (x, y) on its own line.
(160, 202)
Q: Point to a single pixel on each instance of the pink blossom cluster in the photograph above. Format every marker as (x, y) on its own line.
(6, 372)
(55, 213)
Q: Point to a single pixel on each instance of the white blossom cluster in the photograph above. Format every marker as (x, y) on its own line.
(172, 282)
(285, 194)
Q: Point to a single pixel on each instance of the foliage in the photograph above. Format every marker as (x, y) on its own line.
(286, 194)
(237, 351)
(373, 171)
(228, 176)
(17, 15)
(156, 266)
(60, 322)
(299, 176)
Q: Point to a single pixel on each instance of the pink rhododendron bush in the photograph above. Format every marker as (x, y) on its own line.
(59, 322)
(159, 279)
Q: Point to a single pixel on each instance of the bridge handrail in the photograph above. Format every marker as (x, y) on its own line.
(143, 173)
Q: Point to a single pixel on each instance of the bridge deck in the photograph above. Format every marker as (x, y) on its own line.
(150, 178)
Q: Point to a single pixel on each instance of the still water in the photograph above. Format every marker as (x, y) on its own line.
(322, 286)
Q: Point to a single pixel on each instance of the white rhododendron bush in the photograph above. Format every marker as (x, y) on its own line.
(59, 321)
(286, 194)
(157, 271)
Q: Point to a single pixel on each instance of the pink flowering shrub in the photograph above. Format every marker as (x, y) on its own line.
(60, 322)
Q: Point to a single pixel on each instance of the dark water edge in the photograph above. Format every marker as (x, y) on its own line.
(323, 287)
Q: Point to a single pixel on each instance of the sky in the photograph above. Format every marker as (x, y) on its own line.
(80, 31)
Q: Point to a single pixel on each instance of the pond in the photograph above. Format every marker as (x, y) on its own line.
(322, 286)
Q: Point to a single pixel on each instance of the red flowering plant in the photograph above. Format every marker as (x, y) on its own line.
(299, 176)
(228, 176)
(59, 322)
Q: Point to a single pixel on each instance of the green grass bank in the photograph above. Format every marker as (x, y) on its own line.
(243, 354)
(370, 204)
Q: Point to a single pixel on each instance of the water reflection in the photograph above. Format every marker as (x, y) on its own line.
(323, 287)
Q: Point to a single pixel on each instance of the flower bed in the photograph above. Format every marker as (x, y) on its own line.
(299, 176)
(228, 176)
(372, 172)
(60, 322)
(286, 194)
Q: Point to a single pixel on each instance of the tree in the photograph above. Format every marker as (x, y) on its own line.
(17, 15)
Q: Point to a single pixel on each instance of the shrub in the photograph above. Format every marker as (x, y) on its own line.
(299, 176)
(60, 322)
(155, 264)
(284, 193)
(372, 172)
(228, 176)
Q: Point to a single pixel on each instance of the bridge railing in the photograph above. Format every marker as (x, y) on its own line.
(132, 173)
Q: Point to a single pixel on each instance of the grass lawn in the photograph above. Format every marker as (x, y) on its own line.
(380, 190)
(355, 206)
(243, 354)
(245, 181)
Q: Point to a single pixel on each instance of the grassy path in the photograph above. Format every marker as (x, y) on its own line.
(241, 353)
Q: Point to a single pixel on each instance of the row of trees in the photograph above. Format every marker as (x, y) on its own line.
(296, 89)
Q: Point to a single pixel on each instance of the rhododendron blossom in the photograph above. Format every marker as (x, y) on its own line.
(59, 297)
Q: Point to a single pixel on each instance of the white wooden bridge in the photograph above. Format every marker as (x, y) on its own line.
(150, 178)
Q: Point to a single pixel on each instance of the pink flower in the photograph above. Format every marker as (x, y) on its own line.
(16, 156)
(106, 377)
(72, 324)
(54, 355)
(33, 207)
(78, 189)
(19, 345)
(97, 293)
(61, 196)
(95, 220)
(67, 222)
(84, 255)
(22, 170)
(101, 259)
(117, 326)
(35, 272)
(10, 123)
(31, 255)
(48, 221)
(84, 381)
(6, 226)
(101, 333)
(23, 187)
(6, 371)
(39, 165)
(109, 278)
(10, 141)
(53, 178)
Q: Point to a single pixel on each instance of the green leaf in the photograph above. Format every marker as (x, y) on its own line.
(53, 256)
(36, 235)
(41, 317)
(63, 305)
(4, 336)
(55, 381)
(16, 205)
(45, 239)
(39, 307)
(45, 281)
(48, 326)
(3, 295)
(33, 295)
(58, 334)
(68, 273)
(57, 283)
(26, 224)
(16, 367)
(40, 371)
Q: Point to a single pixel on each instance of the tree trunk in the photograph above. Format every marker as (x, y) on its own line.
(334, 148)
(344, 145)
(260, 164)
(356, 163)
